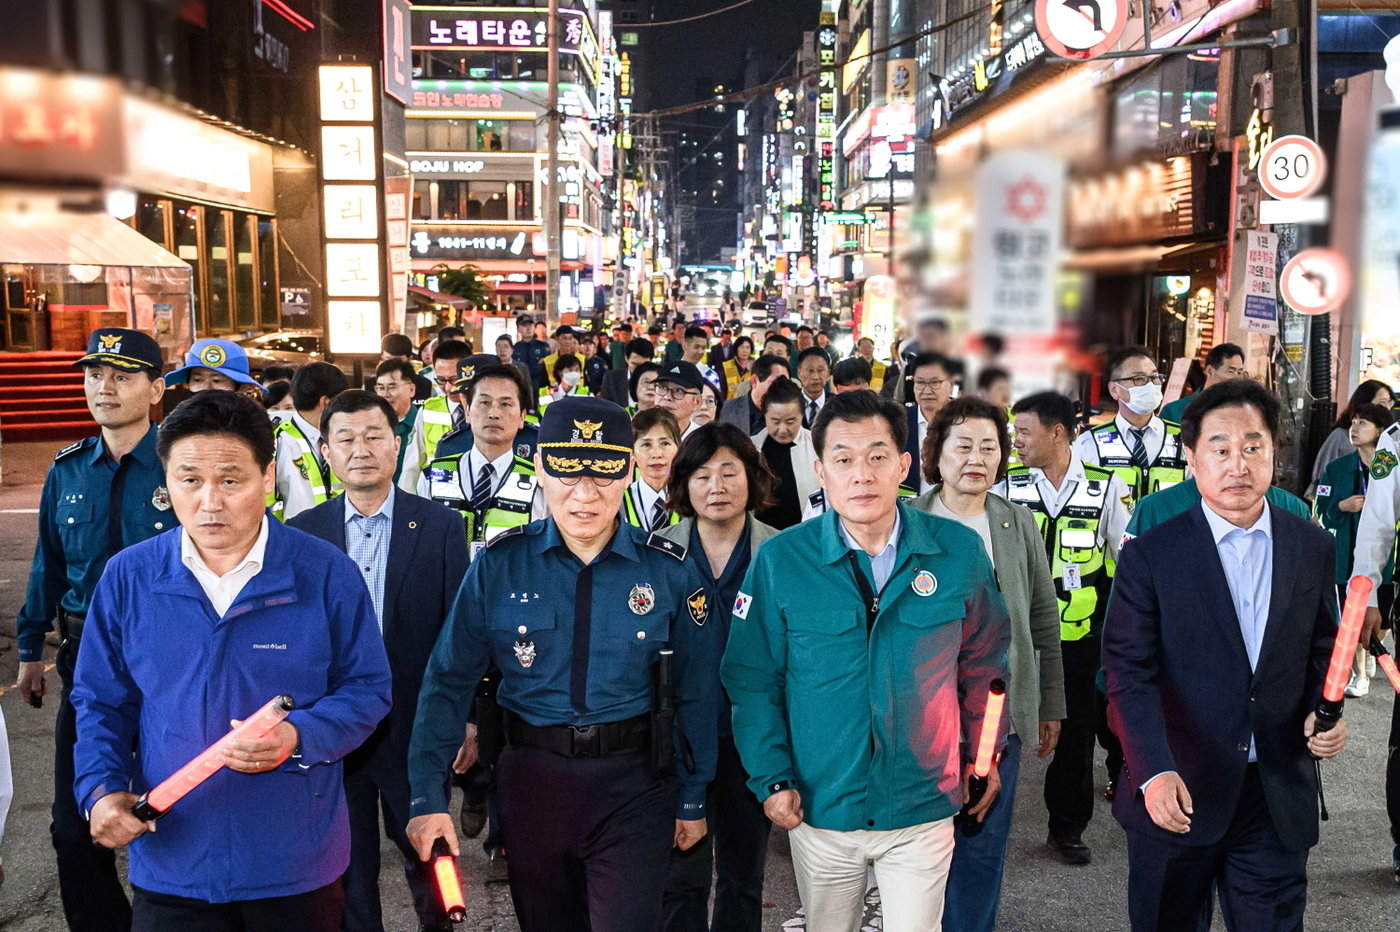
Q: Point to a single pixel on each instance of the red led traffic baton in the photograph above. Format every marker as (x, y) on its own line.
(454, 902)
(1329, 709)
(157, 802)
(986, 748)
(1385, 662)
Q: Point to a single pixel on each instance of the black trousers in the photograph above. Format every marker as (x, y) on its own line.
(735, 846)
(365, 800)
(588, 840)
(1069, 780)
(315, 911)
(1263, 886)
(92, 894)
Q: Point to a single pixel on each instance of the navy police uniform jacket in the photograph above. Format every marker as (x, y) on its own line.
(517, 609)
(90, 508)
(157, 663)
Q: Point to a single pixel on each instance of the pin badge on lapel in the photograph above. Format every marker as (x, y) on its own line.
(924, 584)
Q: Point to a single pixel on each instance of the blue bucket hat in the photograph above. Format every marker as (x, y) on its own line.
(227, 359)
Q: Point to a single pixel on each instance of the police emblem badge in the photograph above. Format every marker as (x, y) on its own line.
(641, 599)
(160, 498)
(699, 605)
(524, 649)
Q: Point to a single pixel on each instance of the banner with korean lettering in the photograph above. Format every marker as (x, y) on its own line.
(1016, 243)
(1260, 278)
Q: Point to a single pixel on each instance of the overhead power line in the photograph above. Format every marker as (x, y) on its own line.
(688, 19)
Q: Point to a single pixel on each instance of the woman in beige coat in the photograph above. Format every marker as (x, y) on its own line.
(965, 454)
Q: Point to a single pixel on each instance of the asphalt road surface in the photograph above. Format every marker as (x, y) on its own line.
(1350, 878)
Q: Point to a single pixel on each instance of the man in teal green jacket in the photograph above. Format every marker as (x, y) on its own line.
(862, 649)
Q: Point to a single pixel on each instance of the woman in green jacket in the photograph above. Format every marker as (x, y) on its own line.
(1341, 494)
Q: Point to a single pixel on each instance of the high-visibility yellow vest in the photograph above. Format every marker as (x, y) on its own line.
(1116, 456)
(445, 481)
(324, 485)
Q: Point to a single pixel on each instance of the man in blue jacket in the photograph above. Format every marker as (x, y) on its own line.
(192, 630)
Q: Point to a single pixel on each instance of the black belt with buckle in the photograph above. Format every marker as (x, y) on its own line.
(600, 740)
(70, 626)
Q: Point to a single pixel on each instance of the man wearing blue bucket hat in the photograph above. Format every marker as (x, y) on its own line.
(213, 363)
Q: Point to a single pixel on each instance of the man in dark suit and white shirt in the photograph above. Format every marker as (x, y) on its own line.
(1216, 646)
(615, 383)
(413, 554)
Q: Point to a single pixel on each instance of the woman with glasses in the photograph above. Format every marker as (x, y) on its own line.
(655, 439)
(964, 455)
(708, 408)
(717, 483)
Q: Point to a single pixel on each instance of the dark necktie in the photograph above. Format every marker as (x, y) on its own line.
(459, 418)
(658, 516)
(812, 410)
(481, 489)
(1139, 451)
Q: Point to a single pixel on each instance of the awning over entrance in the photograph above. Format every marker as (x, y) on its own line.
(49, 238)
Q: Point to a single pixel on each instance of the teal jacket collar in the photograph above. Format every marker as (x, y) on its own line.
(915, 536)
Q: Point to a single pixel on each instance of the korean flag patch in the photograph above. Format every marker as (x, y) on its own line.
(741, 606)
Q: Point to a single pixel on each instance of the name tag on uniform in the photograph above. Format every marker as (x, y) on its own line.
(1072, 579)
(474, 548)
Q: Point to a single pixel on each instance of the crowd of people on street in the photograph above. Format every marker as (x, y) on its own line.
(644, 594)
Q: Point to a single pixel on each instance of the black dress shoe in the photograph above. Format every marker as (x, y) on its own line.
(498, 870)
(473, 819)
(1070, 848)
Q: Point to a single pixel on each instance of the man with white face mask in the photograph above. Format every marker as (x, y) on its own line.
(1138, 446)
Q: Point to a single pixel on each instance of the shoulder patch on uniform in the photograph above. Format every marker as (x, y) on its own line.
(741, 606)
(817, 499)
(699, 604)
(657, 542)
(1324, 490)
(1394, 431)
(1383, 464)
(508, 532)
(71, 449)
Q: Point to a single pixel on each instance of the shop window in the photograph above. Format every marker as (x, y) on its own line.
(422, 199)
(521, 135)
(488, 201)
(152, 219)
(524, 210)
(220, 302)
(415, 134)
(187, 223)
(270, 305)
(245, 294)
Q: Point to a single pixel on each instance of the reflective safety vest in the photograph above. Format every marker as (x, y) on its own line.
(445, 481)
(324, 485)
(546, 397)
(632, 511)
(1116, 456)
(436, 417)
(732, 377)
(1072, 539)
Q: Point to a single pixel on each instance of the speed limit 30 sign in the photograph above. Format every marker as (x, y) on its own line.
(1292, 167)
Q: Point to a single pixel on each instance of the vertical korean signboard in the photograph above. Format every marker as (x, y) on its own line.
(826, 111)
(350, 198)
(1260, 275)
(1016, 243)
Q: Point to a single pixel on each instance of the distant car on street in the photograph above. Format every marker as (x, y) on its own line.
(757, 314)
(293, 348)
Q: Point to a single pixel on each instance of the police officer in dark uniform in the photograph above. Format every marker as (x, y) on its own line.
(587, 619)
(101, 494)
(459, 440)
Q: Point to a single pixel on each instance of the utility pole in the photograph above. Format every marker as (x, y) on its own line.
(551, 187)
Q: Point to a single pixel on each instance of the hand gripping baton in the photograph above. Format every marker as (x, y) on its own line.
(1385, 662)
(1329, 708)
(983, 763)
(157, 802)
(454, 903)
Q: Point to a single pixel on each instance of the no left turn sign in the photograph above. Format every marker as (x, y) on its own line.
(1080, 29)
(1316, 281)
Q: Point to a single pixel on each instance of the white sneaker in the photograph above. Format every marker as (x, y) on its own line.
(1358, 686)
(1370, 664)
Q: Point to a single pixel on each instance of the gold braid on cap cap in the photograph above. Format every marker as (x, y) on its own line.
(574, 445)
(574, 464)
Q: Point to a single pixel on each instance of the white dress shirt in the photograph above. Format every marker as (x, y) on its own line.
(1116, 513)
(501, 467)
(223, 590)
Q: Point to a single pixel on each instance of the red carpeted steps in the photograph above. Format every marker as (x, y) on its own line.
(41, 398)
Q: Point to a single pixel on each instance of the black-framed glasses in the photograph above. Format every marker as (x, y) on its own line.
(572, 481)
(1137, 381)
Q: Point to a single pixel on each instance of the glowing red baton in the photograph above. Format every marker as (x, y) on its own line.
(986, 748)
(1329, 709)
(1385, 662)
(454, 902)
(157, 802)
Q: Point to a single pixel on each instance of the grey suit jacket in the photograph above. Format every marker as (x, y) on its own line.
(736, 412)
(680, 532)
(1037, 688)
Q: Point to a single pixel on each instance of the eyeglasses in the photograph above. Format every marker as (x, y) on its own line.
(572, 481)
(388, 388)
(928, 385)
(674, 392)
(444, 382)
(1137, 381)
(1235, 372)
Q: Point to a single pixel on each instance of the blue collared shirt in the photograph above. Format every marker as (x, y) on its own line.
(1247, 554)
(367, 543)
(882, 564)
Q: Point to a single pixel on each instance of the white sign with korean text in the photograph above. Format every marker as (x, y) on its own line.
(347, 93)
(347, 153)
(1260, 276)
(353, 326)
(352, 270)
(1016, 243)
(351, 211)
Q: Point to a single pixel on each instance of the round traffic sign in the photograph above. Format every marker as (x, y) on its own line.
(1292, 167)
(1316, 281)
(1080, 29)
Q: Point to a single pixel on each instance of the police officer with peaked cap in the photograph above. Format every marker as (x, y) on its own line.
(101, 494)
(459, 439)
(581, 614)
